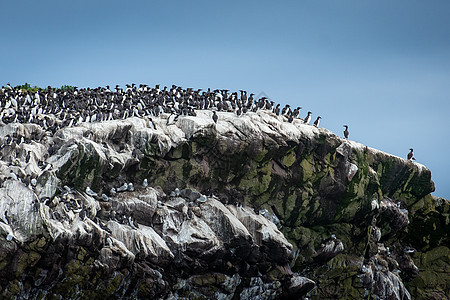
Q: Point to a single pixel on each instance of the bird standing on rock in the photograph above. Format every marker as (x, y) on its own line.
(90, 192)
(308, 117)
(346, 132)
(316, 122)
(215, 117)
(411, 154)
(276, 110)
(123, 187)
(286, 110)
(296, 112)
(290, 118)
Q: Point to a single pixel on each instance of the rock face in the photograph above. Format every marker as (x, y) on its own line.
(252, 207)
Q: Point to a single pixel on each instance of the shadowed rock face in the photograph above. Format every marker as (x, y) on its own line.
(349, 220)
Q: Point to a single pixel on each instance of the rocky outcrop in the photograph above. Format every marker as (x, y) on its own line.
(252, 207)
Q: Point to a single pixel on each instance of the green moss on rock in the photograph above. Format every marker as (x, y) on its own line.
(307, 166)
(289, 159)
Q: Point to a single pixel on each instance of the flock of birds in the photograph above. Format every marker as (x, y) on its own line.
(54, 108)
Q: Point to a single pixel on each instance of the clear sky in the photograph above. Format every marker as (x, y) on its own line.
(382, 67)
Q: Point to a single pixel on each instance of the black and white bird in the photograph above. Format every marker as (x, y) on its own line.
(296, 112)
(346, 132)
(215, 117)
(308, 117)
(132, 223)
(276, 110)
(172, 119)
(290, 118)
(28, 157)
(286, 110)
(316, 122)
(5, 218)
(411, 154)
(151, 124)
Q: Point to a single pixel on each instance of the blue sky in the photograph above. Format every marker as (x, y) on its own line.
(382, 67)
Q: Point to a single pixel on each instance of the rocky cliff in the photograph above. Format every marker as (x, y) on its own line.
(252, 207)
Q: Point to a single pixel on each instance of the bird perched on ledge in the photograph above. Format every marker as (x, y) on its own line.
(316, 122)
(346, 132)
(411, 154)
(308, 118)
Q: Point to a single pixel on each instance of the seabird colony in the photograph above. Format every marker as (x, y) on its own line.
(54, 108)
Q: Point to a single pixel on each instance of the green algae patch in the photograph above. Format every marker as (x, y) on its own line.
(3, 264)
(38, 244)
(78, 275)
(433, 275)
(13, 289)
(248, 181)
(208, 279)
(260, 157)
(81, 254)
(257, 180)
(308, 169)
(82, 168)
(263, 199)
(26, 260)
(432, 256)
(348, 211)
(77, 270)
(289, 159)
(107, 288)
(290, 204)
(114, 284)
